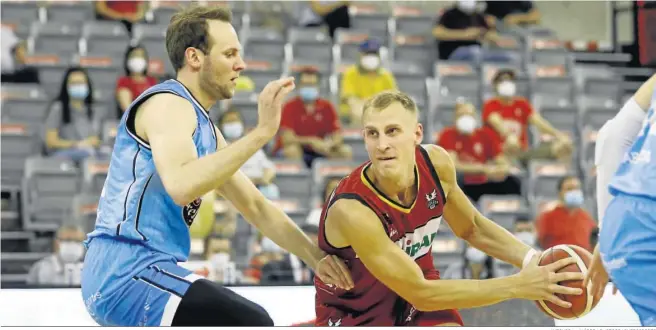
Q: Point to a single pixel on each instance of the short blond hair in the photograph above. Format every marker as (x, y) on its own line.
(384, 99)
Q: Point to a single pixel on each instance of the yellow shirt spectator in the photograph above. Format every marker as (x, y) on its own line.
(363, 85)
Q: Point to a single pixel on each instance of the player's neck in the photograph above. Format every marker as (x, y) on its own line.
(193, 85)
(402, 188)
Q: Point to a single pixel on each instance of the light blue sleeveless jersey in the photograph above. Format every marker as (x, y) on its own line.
(134, 205)
(636, 174)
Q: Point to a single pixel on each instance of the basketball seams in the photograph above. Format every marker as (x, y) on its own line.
(542, 302)
(584, 269)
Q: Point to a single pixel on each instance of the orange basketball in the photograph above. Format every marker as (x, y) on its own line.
(581, 304)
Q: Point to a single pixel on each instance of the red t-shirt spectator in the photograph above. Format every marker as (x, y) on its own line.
(124, 7)
(135, 87)
(321, 122)
(479, 148)
(562, 225)
(515, 116)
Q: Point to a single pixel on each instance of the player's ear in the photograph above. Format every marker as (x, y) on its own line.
(419, 134)
(194, 57)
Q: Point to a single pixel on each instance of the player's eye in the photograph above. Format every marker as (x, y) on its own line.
(372, 133)
(393, 130)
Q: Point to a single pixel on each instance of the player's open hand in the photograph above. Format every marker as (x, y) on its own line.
(269, 104)
(332, 270)
(541, 282)
(597, 277)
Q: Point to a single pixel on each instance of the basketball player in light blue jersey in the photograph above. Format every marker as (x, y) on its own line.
(168, 154)
(626, 194)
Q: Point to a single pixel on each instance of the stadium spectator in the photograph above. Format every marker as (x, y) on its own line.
(475, 264)
(364, 80)
(290, 269)
(8, 41)
(266, 252)
(258, 168)
(509, 116)
(513, 12)
(568, 222)
(478, 156)
(136, 79)
(127, 12)
(315, 215)
(17, 70)
(218, 253)
(335, 14)
(310, 127)
(460, 32)
(64, 266)
(72, 127)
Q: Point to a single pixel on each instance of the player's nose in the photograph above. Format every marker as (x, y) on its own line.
(240, 65)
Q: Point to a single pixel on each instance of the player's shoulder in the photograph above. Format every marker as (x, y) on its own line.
(349, 213)
(166, 109)
(441, 161)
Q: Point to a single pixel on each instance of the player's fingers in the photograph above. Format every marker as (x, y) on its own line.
(559, 301)
(568, 276)
(554, 288)
(284, 91)
(333, 271)
(344, 271)
(561, 263)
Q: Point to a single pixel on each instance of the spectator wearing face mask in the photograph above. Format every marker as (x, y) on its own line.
(310, 127)
(364, 80)
(475, 264)
(136, 79)
(524, 230)
(258, 168)
(217, 254)
(72, 127)
(460, 32)
(568, 222)
(509, 116)
(476, 153)
(64, 266)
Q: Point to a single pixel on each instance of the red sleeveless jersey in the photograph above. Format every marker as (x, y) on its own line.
(412, 228)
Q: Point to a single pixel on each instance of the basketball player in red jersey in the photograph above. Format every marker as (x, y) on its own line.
(383, 217)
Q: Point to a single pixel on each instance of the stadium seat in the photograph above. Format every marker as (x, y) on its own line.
(20, 11)
(412, 21)
(457, 78)
(83, 211)
(262, 70)
(51, 70)
(56, 37)
(310, 44)
(103, 70)
(105, 37)
(553, 81)
(367, 17)
(266, 43)
(544, 177)
(70, 11)
(415, 49)
(16, 265)
(15, 241)
(503, 209)
(49, 185)
(247, 107)
(595, 111)
(353, 138)
(94, 173)
(26, 105)
(294, 181)
(18, 142)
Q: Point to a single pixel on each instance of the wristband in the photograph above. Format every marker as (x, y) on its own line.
(528, 257)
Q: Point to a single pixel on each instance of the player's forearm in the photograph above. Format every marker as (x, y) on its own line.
(204, 174)
(457, 294)
(497, 242)
(276, 225)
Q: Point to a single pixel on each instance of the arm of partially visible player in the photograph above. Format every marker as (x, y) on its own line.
(167, 122)
(616, 137)
(468, 224)
(276, 225)
(351, 223)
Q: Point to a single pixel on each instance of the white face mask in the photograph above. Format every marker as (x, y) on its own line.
(507, 88)
(233, 131)
(466, 124)
(137, 64)
(467, 6)
(70, 252)
(475, 256)
(370, 62)
(526, 237)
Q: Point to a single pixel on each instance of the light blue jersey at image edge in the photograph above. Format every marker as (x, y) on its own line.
(134, 205)
(636, 174)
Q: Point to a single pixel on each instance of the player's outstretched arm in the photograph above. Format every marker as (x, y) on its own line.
(166, 122)
(469, 224)
(350, 223)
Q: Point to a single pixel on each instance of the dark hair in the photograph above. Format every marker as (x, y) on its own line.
(562, 180)
(504, 73)
(65, 100)
(188, 28)
(226, 113)
(128, 51)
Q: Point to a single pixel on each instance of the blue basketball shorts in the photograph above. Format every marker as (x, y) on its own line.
(627, 243)
(127, 284)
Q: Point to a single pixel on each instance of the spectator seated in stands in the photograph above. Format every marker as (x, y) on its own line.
(335, 14)
(64, 266)
(136, 79)
(475, 264)
(509, 116)
(127, 12)
(460, 32)
(218, 254)
(364, 80)
(512, 13)
(568, 222)
(315, 215)
(290, 269)
(524, 230)
(264, 252)
(15, 69)
(258, 168)
(478, 157)
(72, 127)
(310, 127)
